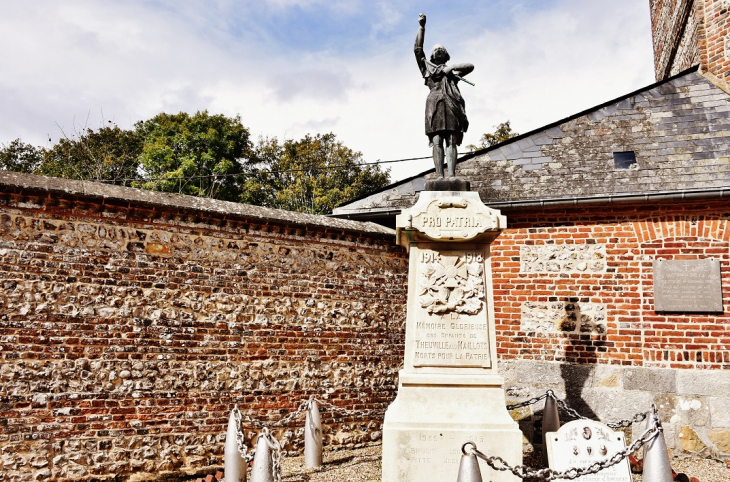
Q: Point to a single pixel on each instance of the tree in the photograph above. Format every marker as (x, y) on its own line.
(200, 155)
(501, 133)
(108, 154)
(208, 156)
(313, 174)
(20, 157)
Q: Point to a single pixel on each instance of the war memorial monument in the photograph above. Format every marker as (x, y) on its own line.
(449, 389)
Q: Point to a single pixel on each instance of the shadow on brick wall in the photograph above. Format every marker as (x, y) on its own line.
(580, 357)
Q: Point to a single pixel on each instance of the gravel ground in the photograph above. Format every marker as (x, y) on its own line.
(363, 465)
(357, 465)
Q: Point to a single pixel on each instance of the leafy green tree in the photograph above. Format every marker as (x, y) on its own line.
(312, 175)
(20, 157)
(108, 154)
(200, 155)
(209, 156)
(501, 133)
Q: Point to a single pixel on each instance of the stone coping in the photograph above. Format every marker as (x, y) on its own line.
(30, 182)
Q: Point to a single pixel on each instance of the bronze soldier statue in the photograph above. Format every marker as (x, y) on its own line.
(446, 120)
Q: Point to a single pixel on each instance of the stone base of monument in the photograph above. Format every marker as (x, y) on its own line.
(449, 390)
(432, 417)
(448, 184)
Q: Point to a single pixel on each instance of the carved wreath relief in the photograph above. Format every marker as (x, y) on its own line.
(451, 282)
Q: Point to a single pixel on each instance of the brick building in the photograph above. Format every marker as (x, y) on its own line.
(688, 33)
(592, 202)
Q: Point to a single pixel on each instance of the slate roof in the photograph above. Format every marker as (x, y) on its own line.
(678, 129)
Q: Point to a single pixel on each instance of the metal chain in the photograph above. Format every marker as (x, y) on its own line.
(531, 401)
(301, 408)
(638, 418)
(344, 411)
(275, 455)
(240, 437)
(523, 471)
(563, 406)
(304, 406)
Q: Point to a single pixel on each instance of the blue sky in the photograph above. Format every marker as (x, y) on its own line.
(291, 67)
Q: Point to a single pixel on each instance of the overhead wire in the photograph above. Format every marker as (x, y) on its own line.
(279, 171)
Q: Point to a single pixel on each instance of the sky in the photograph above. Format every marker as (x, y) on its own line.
(293, 67)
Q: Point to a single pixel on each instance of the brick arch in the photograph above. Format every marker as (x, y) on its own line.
(708, 227)
(682, 340)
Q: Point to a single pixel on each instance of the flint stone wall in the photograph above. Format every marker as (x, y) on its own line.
(131, 323)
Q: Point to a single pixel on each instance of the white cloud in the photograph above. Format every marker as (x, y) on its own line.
(388, 17)
(131, 61)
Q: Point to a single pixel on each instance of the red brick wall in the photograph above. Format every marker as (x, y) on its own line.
(633, 237)
(683, 40)
(716, 55)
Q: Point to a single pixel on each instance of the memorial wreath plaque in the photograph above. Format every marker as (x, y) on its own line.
(582, 443)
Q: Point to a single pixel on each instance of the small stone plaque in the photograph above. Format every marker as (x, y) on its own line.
(688, 285)
(582, 443)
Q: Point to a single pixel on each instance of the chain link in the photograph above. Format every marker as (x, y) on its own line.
(638, 418)
(523, 471)
(275, 454)
(240, 437)
(563, 406)
(304, 406)
(529, 402)
(259, 424)
(344, 411)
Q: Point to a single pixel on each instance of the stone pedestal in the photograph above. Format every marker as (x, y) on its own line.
(449, 391)
(448, 184)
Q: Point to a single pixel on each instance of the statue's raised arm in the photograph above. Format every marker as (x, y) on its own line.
(418, 48)
(446, 120)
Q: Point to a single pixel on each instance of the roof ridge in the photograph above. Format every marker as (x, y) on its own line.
(582, 113)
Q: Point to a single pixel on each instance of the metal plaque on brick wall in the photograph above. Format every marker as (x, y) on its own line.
(688, 285)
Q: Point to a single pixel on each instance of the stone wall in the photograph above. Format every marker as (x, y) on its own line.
(591, 332)
(694, 405)
(131, 323)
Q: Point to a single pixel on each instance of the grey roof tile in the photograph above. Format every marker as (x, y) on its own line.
(680, 130)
